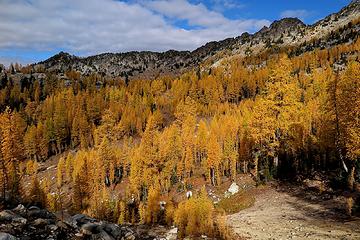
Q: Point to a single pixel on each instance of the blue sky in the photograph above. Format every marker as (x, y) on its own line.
(310, 10)
(33, 30)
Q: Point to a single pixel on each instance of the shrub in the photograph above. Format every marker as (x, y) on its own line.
(194, 217)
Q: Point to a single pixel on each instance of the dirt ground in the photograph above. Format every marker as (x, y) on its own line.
(288, 212)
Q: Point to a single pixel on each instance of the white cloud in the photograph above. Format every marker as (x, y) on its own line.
(298, 13)
(222, 5)
(93, 26)
(196, 14)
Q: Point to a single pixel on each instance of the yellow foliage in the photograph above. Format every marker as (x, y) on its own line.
(195, 216)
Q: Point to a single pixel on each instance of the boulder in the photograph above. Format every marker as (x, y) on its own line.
(129, 236)
(171, 234)
(10, 216)
(35, 212)
(315, 184)
(90, 228)
(6, 236)
(102, 235)
(21, 210)
(7, 215)
(234, 188)
(112, 229)
(80, 219)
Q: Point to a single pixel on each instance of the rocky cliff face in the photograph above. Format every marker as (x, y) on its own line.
(135, 64)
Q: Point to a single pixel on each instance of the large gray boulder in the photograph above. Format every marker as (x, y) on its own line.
(6, 236)
(113, 229)
(90, 228)
(35, 212)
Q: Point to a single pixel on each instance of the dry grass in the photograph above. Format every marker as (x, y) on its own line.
(236, 202)
(349, 205)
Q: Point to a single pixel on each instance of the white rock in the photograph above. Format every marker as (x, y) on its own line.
(234, 188)
(189, 194)
(172, 234)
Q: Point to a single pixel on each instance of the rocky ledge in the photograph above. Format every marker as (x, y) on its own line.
(35, 223)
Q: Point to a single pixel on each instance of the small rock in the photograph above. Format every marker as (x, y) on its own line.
(326, 197)
(53, 227)
(40, 222)
(189, 194)
(129, 236)
(62, 225)
(80, 235)
(162, 205)
(33, 208)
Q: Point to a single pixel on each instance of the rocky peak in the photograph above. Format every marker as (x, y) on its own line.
(61, 57)
(286, 23)
(280, 27)
(352, 9)
(263, 29)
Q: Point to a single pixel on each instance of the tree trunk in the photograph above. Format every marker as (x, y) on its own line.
(256, 162)
(351, 177)
(338, 133)
(212, 176)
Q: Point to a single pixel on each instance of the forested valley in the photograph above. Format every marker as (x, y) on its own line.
(121, 147)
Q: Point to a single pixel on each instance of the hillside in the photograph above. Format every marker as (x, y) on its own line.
(256, 137)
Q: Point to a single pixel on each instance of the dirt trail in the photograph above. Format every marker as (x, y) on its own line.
(293, 213)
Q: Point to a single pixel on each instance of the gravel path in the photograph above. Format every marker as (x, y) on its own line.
(293, 213)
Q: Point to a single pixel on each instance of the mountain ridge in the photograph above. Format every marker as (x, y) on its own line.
(148, 64)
